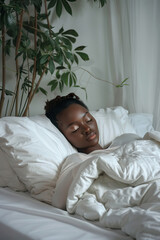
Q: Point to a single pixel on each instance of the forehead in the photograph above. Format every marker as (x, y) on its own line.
(72, 113)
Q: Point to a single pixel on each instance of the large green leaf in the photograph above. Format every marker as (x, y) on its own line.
(76, 59)
(72, 39)
(64, 78)
(53, 87)
(69, 56)
(61, 30)
(43, 90)
(74, 78)
(51, 66)
(53, 84)
(83, 55)
(58, 75)
(80, 48)
(71, 32)
(67, 7)
(66, 42)
(59, 8)
(52, 3)
(60, 68)
(61, 86)
(59, 59)
(70, 80)
(44, 59)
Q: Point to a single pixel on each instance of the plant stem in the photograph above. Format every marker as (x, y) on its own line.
(38, 83)
(7, 108)
(23, 90)
(3, 71)
(34, 68)
(24, 105)
(20, 23)
(35, 90)
(46, 12)
(35, 48)
(97, 77)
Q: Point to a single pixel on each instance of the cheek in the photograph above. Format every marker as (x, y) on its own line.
(77, 140)
(95, 126)
(74, 139)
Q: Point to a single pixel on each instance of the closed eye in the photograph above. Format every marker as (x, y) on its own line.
(89, 120)
(74, 131)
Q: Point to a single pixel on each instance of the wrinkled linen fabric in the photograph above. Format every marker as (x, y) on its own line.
(119, 187)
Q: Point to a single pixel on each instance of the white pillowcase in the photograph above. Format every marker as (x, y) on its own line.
(112, 122)
(142, 122)
(35, 152)
(8, 177)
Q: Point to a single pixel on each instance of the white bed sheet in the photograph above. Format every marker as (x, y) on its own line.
(22, 217)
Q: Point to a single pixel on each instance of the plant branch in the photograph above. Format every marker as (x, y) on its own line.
(35, 63)
(20, 23)
(46, 12)
(23, 91)
(3, 71)
(35, 90)
(35, 48)
(38, 83)
(97, 77)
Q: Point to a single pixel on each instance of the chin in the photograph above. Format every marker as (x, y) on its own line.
(94, 143)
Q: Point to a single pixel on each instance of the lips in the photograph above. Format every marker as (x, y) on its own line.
(91, 136)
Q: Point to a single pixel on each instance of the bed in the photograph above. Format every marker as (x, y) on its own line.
(32, 154)
(22, 217)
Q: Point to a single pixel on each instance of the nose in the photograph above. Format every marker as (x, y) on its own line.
(86, 129)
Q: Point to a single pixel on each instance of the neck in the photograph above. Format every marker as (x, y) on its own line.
(90, 149)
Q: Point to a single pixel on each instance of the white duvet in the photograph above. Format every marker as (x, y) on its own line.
(119, 187)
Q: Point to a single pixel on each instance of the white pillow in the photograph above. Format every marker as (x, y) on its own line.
(35, 152)
(8, 177)
(112, 122)
(142, 122)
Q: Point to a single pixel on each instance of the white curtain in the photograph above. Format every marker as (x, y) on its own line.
(133, 48)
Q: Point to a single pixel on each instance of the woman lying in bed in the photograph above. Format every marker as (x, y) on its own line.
(71, 116)
(117, 187)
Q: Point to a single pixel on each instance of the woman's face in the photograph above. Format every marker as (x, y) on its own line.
(79, 127)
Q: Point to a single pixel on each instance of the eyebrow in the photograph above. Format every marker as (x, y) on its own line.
(75, 121)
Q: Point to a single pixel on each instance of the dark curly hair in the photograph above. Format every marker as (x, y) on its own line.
(58, 104)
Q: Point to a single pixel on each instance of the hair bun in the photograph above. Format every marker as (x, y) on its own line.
(59, 99)
(72, 95)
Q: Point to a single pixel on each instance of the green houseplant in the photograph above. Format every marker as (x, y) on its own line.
(37, 49)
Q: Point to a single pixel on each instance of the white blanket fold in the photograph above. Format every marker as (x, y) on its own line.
(120, 187)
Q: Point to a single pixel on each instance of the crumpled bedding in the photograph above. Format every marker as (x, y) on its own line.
(119, 187)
